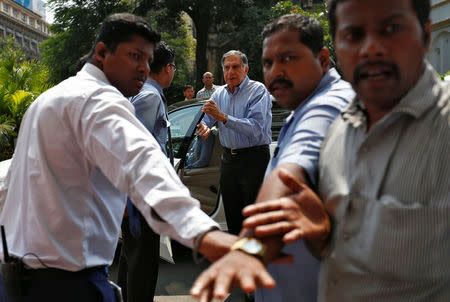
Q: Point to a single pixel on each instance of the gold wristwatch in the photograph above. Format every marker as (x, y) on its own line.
(251, 246)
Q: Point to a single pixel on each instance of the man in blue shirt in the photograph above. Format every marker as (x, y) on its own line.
(242, 109)
(297, 72)
(138, 268)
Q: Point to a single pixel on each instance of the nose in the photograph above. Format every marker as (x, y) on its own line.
(276, 70)
(144, 67)
(372, 47)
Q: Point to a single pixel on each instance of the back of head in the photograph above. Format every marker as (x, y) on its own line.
(421, 8)
(310, 30)
(119, 28)
(163, 54)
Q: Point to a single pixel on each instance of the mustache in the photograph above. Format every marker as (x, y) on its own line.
(282, 81)
(363, 66)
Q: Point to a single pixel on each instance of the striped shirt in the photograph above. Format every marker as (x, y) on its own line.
(203, 93)
(388, 191)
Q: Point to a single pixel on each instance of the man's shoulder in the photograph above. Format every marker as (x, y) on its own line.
(338, 93)
(147, 91)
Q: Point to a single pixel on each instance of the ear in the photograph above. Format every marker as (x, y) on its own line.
(99, 54)
(324, 59)
(246, 69)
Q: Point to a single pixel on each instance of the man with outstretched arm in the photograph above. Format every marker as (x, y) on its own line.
(79, 153)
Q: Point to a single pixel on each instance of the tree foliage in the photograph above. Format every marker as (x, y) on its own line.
(21, 82)
(73, 32)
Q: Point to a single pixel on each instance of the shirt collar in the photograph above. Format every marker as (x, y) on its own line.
(329, 77)
(243, 83)
(415, 102)
(155, 83)
(95, 72)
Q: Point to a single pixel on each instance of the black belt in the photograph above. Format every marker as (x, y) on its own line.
(234, 151)
(58, 274)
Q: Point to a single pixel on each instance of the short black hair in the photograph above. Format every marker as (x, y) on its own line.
(162, 55)
(187, 86)
(421, 7)
(310, 30)
(119, 28)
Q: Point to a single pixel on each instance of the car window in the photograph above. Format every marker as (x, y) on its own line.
(181, 123)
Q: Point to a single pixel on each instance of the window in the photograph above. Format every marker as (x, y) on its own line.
(15, 12)
(31, 21)
(18, 39)
(23, 17)
(5, 8)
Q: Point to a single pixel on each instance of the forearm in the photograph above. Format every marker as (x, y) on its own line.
(215, 244)
(288, 210)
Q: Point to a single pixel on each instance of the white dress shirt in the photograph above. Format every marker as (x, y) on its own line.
(80, 151)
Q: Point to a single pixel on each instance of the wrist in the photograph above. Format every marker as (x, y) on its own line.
(224, 118)
(253, 247)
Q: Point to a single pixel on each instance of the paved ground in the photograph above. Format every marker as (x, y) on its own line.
(175, 280)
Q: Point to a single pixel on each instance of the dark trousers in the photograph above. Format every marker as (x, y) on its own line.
(240, 179)
(90, 286)
(139, 263)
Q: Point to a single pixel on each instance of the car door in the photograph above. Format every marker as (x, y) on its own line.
(198, 161)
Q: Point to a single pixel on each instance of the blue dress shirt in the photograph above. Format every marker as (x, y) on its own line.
(299, 142)
(151, 110)
(249, 115)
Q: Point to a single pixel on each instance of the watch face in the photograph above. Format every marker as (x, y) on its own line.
(252, 246)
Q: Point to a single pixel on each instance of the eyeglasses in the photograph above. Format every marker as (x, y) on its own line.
(173, 65)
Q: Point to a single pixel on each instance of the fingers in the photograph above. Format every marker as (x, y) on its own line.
(273, 229)
(290, 181)
(293, 235)
(234, 269)
(264, 218)
(203, 131)
(261, 207)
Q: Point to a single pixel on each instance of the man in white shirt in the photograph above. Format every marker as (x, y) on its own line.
(80, 151)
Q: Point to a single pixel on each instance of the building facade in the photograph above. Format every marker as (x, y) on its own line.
(439, 54)
(25, 22)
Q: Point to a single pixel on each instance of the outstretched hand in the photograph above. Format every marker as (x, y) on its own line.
(300, 215)
(234, 269)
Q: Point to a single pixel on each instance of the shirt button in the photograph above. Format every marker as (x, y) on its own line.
(365, 149)
(346, 237)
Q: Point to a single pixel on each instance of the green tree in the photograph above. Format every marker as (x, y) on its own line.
(205, 15)
(21, 82)
(73, 32)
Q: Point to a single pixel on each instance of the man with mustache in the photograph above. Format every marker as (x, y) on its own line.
(384, 168)
(242, 110)
(139, 259)
(297, 72)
